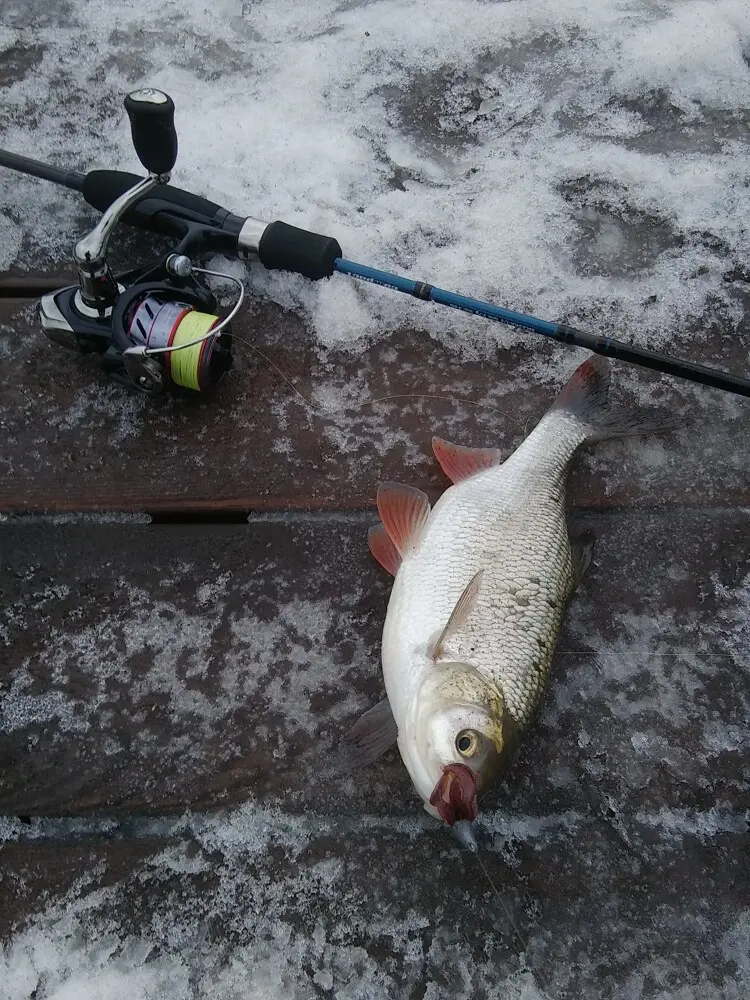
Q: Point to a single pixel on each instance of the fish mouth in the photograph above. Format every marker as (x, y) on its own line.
(455, 794)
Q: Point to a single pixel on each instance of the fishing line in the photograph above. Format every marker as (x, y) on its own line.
(185, 334)
(470, 844)
(379, 399)
(524, 944)
(187, 352)
(452, 399)
(305, 400)
(464, 833)
(91, 314)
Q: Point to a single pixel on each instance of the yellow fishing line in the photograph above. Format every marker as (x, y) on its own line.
(184, 365)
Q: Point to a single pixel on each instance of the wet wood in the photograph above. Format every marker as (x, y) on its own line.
(150, 668)
(71, 440)
(151, 677)
(35, 874)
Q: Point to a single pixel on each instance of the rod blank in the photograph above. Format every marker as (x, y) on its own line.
(25, 165)
(556, 331)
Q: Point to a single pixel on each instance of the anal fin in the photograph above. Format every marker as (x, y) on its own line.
(383, 548)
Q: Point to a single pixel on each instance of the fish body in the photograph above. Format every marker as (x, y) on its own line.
(482, 582)
(510, 522)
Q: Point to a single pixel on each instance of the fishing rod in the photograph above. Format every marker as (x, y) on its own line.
(156, 327)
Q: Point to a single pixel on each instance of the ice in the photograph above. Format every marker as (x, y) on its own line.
(578, 160)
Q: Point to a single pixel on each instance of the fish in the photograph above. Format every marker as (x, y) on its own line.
(482, 583)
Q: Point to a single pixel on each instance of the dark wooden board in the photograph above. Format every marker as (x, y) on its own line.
(73, 441)
(256, 900)
(150, 668)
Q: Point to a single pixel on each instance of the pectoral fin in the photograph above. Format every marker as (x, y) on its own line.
(369, 738)
(582, 548)
(464, 606)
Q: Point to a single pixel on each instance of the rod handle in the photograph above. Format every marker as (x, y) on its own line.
(286, 248)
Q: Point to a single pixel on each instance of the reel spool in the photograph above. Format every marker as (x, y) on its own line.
(153, 321)
(166, 336)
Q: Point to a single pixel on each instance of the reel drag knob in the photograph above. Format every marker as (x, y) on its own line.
(151, 114)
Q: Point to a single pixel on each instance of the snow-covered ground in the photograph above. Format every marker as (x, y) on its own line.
(618, 842)
(576, 159)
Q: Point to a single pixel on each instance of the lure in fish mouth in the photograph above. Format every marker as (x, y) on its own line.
(481, 585)
(455, 794)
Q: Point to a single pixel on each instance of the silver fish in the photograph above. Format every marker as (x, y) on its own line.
(482, 583)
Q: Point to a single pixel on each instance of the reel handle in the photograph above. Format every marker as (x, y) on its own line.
(151, 114)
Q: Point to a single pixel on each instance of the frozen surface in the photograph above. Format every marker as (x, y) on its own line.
(170, 827)
(579, 160)
(252, 904)
(584, 161)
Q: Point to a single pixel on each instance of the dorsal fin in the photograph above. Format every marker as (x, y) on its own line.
(383, 548)
(460, 463)
(459, 615)
(404, 512)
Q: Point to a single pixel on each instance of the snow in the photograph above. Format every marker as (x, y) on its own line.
(294, 916)
(619, 833)
(577, 160)
(582, 161)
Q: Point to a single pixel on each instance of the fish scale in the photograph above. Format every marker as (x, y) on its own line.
(510, 521)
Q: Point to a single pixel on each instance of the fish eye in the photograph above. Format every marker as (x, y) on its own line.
(467, 743)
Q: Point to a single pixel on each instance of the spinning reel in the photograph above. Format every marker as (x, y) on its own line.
(156, 327)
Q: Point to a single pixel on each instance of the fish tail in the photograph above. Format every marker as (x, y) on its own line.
(585, 399)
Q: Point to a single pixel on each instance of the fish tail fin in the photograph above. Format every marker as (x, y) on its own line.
(585, 398)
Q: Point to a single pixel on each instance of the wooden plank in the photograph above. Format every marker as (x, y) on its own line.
(34, 874)
(282, 907)
(73, 441)
(158, 667)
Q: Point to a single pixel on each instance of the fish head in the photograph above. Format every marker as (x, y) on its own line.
(457, 740)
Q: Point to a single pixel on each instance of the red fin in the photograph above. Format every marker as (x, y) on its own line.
(383, 548)
(404, 512)
(460, 463)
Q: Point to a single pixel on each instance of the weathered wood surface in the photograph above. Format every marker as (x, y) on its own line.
(72, 440)
(152, 677)
(261, 905)
(150, 668)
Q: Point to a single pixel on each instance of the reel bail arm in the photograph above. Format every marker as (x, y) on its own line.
(156, 326)
(146, 373)
(88, 317)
